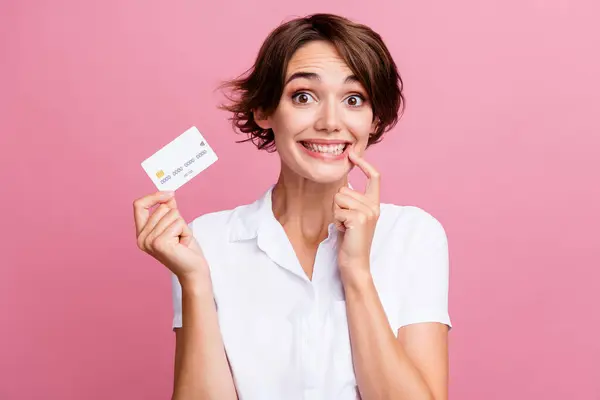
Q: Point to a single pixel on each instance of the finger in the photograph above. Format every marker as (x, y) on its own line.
(360, 197)
(161, 225)
(186, 236)
(347, 202)
(340, 216)
(373, 176)
(142, 206)
(338, 223)
(346, 219)
(174, 230)
(156, 216)
(172, 203)
(335, 209)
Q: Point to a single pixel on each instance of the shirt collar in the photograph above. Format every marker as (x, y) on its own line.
(247, 219)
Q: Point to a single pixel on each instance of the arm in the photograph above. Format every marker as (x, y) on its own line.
(201, 367)
(413, 366)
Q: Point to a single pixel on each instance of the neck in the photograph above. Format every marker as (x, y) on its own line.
(303, 207)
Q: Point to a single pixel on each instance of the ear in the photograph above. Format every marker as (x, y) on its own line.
(261, 120)
(375, 124)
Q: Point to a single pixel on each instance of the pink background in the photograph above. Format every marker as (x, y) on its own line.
(500, 141)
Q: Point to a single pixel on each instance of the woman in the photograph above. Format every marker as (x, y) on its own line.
(316, 290)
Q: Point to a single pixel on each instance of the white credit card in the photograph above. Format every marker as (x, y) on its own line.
(179, 161)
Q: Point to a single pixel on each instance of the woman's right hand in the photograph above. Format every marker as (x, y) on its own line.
(165, 236)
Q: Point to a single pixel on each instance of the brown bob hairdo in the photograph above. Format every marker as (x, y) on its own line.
(362, 49)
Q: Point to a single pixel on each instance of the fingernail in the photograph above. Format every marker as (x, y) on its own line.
(168, 194)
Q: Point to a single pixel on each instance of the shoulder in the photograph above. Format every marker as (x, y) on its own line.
(217, 224)
(410, 224)
(216, 220)
(412, 242)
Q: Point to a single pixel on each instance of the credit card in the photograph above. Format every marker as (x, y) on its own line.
(179, 161)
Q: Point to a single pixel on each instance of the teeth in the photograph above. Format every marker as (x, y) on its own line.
(335, 149)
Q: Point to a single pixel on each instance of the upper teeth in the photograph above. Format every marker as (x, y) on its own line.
(325, 148)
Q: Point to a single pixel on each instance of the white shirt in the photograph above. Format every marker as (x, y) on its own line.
(286, 336)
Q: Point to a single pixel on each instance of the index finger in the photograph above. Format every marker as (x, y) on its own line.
(142, 206)
(373, 176)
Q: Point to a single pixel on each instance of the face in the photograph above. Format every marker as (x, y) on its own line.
(323, 112)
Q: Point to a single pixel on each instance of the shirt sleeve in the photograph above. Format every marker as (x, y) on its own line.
(425, 295)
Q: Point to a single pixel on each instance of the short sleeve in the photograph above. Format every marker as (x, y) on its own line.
(425, 294)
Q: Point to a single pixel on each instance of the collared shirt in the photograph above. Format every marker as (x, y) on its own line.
(286, 336)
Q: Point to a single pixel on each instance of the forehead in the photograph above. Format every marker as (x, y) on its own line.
(320, 57)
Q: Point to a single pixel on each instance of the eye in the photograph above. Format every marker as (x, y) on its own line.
(302, 98)
(355, 100)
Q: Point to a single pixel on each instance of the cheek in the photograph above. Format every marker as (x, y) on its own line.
(288, 121)
(361, 125)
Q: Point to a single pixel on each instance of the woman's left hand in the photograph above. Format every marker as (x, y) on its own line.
(356, 216)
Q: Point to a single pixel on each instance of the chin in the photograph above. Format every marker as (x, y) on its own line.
(324, 173)
(326, 180)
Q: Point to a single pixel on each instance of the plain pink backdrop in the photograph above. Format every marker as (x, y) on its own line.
(500, 141)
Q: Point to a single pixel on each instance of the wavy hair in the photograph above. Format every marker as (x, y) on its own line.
(363, 50)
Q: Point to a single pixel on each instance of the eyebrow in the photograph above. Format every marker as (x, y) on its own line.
(315, 76)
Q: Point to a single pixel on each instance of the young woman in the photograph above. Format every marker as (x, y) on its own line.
(316, 290)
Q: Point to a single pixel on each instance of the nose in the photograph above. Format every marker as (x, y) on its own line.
(328, 119)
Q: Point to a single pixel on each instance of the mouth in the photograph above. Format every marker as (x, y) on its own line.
(332, 149)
